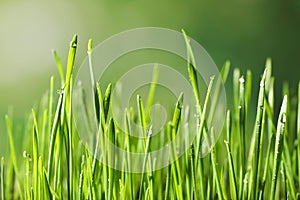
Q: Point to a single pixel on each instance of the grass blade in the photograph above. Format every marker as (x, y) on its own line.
(258, 135)
(232, 172)
(278, 145)
(214, 167)
(35, 148)
(53, 133)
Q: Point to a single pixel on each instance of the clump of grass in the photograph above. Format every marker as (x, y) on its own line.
(252, 163)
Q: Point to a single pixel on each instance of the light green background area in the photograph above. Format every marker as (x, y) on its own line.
(244, 31)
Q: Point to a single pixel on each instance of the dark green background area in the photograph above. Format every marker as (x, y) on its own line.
(245, 32)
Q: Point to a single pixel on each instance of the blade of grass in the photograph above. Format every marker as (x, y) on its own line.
(146, 145)
(214, 167)
(27, 157)
(259, 128)
(81, 179)
(53, 133)
(35, 148)
(171, 132)
(221, 80)
(202, 121)
(234, 191)
(242, 127)
(111, 158)
(266, 167)
(95, 96)
(50, 111)
(288, 172)
(193, 172)
(128, 148)
(278, 145)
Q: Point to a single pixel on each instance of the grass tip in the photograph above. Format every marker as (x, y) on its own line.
(90, 46)
(242, 80)
(74, 41)
(180, 100)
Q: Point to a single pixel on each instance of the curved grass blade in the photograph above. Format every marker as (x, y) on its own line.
(53, 133)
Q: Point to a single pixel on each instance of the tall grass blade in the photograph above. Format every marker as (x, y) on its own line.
(259, 128)
(53, 134)
(214, 167)
(234, 191)
(35, 148)
(278, 145)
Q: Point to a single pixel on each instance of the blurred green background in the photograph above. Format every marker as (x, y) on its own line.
(245, 32)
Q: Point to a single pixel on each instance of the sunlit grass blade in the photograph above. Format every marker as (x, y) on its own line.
(192, 70)
(242, 127)
(53, 134)
(145, 144)
(221, 80)
(70, 64)
(278, 145)
(259, 129)
(172, 129)
(202, 122)
(95, 95)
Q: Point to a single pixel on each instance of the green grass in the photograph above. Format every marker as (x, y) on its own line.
(259, 162)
